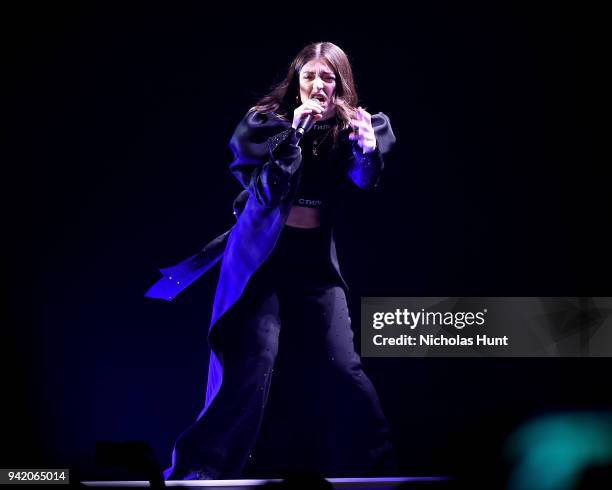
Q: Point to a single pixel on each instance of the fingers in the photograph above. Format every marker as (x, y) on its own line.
(313, 106)
(361, 119)
(363, 132)
(367, 143)
(317, 115)
(362, 114)
(305, 112)
(362, 127)
(365, 115)
(308, 107)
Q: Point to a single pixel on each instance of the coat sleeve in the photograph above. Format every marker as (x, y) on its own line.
(264, 157)
(365, 169)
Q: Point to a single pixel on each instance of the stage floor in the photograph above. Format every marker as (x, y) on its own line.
(344, 483)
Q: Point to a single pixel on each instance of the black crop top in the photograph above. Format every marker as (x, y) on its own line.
(317, 160)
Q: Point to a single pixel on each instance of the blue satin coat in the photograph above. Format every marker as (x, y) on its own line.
(268, 167)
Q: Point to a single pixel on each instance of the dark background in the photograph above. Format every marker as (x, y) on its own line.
(117, 123)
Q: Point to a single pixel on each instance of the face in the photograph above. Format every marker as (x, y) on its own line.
(317, 79)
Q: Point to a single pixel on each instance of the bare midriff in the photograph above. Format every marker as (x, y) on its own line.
(303, 217)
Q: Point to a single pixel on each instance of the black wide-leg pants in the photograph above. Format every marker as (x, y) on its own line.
(297, 289)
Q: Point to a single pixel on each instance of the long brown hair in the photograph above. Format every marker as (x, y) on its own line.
(281, 99)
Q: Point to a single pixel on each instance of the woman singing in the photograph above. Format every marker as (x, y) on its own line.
(279, 270)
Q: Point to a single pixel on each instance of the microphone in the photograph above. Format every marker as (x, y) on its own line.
(306, 123)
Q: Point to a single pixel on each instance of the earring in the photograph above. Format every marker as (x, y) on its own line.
(297, 99)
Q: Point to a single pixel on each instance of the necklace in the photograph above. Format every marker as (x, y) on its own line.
(317, 143)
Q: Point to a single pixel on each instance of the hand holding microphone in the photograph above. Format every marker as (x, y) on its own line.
(305, 116)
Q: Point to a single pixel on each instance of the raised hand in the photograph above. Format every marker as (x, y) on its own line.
(363, 132)
(308, 107)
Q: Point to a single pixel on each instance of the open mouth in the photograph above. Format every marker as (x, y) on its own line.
(321, 98)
